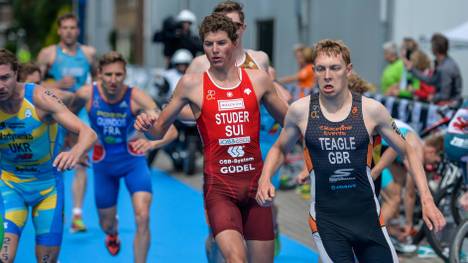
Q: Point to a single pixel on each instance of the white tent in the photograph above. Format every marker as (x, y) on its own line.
(458, 35)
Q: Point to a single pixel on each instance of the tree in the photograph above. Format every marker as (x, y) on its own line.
(38, 19)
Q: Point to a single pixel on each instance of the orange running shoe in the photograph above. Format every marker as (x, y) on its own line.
(113, 244)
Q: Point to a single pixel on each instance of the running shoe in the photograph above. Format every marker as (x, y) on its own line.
(403, 248)
(426, 252)
(113, 244)
(77, 224)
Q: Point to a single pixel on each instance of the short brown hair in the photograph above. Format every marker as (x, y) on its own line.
(332, 47)
(410, 44)
(8, 58)
(27, 69)
(228, 7)
(435, 140)
(440, 44)
(66, 17)
(110, 58)
(218, 22)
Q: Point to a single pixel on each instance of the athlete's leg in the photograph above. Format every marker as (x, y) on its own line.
(10, 245)
(261, 251)
(213, 253)
(141, 206)
(232, 246)
(138, 182)
(78, 190)
(48, 223)
(108, 220)
(334, 240)
(391, 201)
(375, 247)
(322, 252)
(106, 190)
(258, 231)
(225, 219)
(318, 241)
(14, 218)
(46, 254)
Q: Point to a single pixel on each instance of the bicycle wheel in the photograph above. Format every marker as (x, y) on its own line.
(459, 214)
(441, 240)
(459, 246)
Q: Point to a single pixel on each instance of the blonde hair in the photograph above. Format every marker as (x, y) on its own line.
(359, 85)
(308, 53)
(420, 60)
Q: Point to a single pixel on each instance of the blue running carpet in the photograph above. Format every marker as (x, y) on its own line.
(178, 228)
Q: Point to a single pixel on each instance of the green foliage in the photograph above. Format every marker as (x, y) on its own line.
(38, 19)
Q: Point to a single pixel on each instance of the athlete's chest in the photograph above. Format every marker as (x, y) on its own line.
(233, 103)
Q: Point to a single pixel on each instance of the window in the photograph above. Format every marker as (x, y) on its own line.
(265, 37)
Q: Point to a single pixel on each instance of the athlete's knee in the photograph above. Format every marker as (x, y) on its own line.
(108, 224)
(235, 257)
(47, 255)
(234, 254)
(142, 219)
(8, 251)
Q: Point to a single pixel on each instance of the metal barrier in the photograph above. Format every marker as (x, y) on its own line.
(418, 115)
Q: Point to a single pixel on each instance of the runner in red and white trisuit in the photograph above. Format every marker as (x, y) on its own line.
(225, 101)
(229, 124)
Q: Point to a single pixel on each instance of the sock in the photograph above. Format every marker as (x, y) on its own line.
(76, 211)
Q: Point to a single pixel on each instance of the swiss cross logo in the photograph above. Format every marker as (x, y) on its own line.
(247, 91)
(236, 151)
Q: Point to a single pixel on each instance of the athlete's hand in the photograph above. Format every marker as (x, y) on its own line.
(265, 192)
(140, 146)
(67, 82)
(145, 120)
(66, 160)
(432, 216)
(84, 160)
(303, 176)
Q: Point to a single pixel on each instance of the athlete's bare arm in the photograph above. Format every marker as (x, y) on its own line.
(45, 58)
(260, 57)
(66, 96)
(198, 65)
(265, 90)
(142, 102)
(52, 106)
(82, 96)
(385, 160)
(378, 119)
(295, 124)
(90, 53)
(187, 92)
